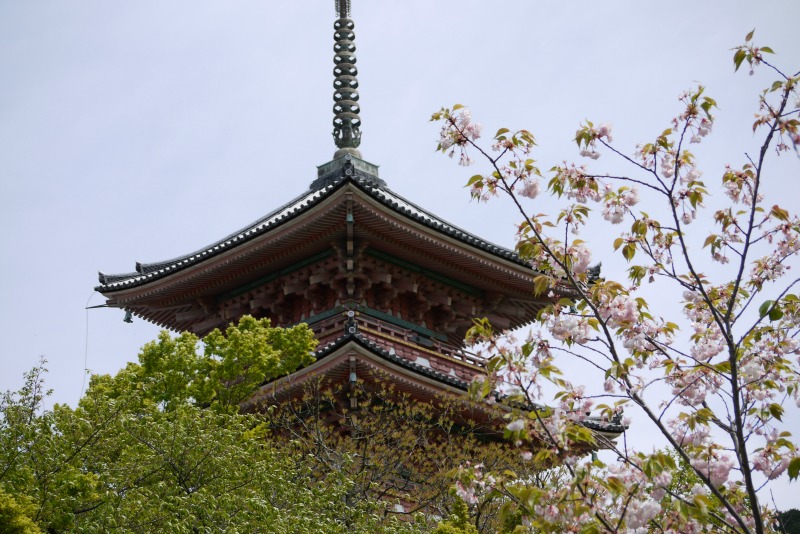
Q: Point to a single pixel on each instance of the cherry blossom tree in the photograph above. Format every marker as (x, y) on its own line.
(715, 383)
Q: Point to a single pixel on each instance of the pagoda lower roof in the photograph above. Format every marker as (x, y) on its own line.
(388, 355)
(607, 429)
(376, 189)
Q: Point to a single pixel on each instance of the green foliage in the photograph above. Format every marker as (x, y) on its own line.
(458, 523)
(15, 515)
(162, 447)
(393, 449)
(249, 354)
(788, 522)
(172, 372)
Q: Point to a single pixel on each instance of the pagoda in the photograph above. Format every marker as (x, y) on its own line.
(388, 288)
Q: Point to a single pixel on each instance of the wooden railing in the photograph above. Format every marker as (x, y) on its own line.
(406, 342)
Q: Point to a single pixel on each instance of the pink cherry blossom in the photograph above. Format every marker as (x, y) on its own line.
(530, 189)
(516, 425)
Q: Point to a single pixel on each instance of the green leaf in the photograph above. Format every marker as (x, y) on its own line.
(794, 468)
(749, 35)
(766, 50)
(474, 179)
(541, 284)
(500, 132)
(779, 213)
(629, 251)
(775, 313)
(738, 58)
(763, 310)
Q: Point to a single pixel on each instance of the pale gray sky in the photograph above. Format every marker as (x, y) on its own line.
(141, 130)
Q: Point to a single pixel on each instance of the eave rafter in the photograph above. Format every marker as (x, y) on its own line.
(450, 247)
(346, 215)
(336, 366)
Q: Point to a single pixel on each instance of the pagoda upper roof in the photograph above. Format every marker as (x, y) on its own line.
(321, 189)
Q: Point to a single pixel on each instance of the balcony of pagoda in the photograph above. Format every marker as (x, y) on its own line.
(408, 341)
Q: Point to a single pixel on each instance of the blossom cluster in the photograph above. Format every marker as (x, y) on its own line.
(457, 131)
(728, 384)
(616, 204)
(576, 183)
(709, 340)
(618, 310)
(570, 327)
(472, 483)
(716, 466)
(772, 460)
(786, 240)
(587, 137)
(696, 117)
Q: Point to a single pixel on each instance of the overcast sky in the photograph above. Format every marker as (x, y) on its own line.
(143, 130)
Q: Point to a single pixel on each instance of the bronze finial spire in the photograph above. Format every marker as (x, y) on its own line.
(343, 9)
(347, 161)
(346, 121)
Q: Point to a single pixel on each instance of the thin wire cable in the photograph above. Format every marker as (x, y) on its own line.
(86, 347)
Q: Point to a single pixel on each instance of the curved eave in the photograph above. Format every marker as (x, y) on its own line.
(604, 430)
(331, 362)
(364, 342)
(407, 208)
(609, 430)
(150, 272)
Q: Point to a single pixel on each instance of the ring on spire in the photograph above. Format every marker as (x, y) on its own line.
(343, 8)
(346, 119)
